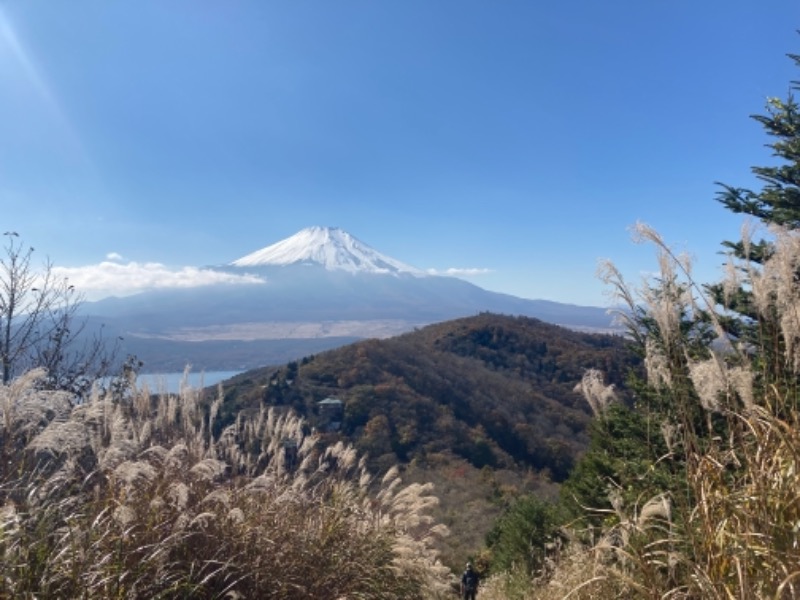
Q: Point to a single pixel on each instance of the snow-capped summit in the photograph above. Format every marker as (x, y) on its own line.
(330, 247)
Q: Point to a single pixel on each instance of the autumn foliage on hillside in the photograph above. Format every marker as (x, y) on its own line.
(495, 390)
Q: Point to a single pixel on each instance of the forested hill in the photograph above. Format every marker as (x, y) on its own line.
(496, 390)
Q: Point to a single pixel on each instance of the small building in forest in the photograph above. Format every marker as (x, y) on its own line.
(331, 413)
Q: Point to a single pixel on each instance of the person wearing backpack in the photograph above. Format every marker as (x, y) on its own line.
(469, 583)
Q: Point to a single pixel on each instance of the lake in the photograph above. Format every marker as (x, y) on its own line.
(170, 382)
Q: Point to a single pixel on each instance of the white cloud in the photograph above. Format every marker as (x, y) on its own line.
(114, 256)
(456, 272)
(122, 279)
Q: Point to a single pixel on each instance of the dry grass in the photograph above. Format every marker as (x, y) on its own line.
(577, 576)
(131, 496)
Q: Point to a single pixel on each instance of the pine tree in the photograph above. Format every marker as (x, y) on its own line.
(776, 205)
(778, 202)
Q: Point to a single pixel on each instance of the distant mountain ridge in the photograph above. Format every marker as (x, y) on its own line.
(319, 283)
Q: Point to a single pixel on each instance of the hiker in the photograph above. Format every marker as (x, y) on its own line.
(469, 583)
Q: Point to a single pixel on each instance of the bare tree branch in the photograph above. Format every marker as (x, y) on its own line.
(39, 326)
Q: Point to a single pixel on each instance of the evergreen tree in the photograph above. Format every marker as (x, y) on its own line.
(777, 205)
(778, 201)
(520, 537)
(629, 454)
(719, 402)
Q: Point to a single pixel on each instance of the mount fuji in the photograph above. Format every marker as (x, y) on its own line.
(320, 288)
(329, 247)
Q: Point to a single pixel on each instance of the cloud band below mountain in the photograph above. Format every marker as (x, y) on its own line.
(123, 279)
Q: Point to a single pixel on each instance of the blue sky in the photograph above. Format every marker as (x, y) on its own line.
(517, 139)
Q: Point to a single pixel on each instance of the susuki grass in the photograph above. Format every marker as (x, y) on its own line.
(726, 525)
(134, 496)
(730, 525)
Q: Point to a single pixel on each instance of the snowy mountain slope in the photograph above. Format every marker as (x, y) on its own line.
(330, 247)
